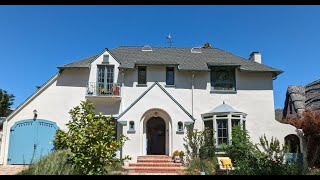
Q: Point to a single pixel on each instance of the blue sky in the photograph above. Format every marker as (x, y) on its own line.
(34, 40)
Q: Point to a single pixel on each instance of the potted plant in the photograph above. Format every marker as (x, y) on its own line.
(176, 156)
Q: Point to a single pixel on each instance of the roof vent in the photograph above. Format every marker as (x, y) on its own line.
(196, 50)
(146, 48)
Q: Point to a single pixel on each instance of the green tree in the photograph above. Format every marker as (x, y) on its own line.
(91, 140)
(6, 101)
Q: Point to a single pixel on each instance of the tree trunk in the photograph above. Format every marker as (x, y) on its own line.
(315, 156)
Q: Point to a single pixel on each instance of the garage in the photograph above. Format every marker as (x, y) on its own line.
(30, 139)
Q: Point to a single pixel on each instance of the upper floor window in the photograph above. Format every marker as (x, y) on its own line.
(223, 79)
(170, 75)
(105, 79)
(105, 59)
(142, 75)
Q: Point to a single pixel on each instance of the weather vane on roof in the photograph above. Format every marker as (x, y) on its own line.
(169, 38)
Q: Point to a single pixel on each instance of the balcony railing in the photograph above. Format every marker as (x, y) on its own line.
(103, 89)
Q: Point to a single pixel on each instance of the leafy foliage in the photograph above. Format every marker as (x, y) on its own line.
(92, 141)
(6, 101)
(60, 140)
(258, 159)
(310, 125)
(241, 147)
(56, 163)
(199, 144)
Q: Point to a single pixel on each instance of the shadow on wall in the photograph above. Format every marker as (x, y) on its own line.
(75, 77)
(108, 108)
(183, 79)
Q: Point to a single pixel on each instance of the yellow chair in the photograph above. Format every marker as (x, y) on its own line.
(225, 164)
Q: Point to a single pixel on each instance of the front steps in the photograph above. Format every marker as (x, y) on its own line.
(154, 164)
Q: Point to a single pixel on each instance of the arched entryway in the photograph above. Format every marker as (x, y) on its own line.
(156, 136)
(293, 143)
(160, 121)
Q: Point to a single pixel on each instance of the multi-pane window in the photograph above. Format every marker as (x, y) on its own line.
(208, 126)
(170, 75)
(222, 130)
(105, 79)
(223, 79)
(142, 75)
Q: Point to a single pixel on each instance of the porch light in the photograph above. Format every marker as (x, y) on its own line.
(156, 114)
(35, 114)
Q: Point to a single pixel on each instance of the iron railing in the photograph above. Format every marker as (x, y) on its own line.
(103, 89)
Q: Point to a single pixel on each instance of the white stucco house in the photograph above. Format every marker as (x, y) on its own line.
(155, 94)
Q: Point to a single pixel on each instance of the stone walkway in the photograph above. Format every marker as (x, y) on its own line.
(11, 169)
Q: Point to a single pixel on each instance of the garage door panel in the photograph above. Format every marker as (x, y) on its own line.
(30, 140)
(22, 136)
(45, 135)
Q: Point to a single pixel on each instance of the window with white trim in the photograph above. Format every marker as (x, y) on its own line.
(222, 125)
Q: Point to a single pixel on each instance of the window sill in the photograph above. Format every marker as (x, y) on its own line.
(180, 132)
(223, 92)
(170, 85)
(141, 85)
(131, 131)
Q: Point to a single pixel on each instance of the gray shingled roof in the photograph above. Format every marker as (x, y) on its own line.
(131, 56)
(83, 63)
(313, 95)
(303, 97)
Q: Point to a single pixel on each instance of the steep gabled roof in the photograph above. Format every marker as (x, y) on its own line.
(165, 91)
(303, 97)
(82, 63)
(185, 59)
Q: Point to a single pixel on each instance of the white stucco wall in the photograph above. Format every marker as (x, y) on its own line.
(53, 103)
(254, 97)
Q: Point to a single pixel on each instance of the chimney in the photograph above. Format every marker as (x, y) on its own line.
(256, 57)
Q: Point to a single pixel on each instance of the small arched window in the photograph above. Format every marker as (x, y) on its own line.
(131, 126)
(180, 126)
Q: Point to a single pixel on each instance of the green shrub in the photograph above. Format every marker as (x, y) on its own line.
(56, 163)
(261, 159)
(60, 140)
(92, 141)
(199, 144)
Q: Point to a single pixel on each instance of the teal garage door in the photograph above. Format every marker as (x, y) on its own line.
(30, 140)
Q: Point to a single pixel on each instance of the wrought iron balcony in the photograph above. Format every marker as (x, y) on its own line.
(103, 89)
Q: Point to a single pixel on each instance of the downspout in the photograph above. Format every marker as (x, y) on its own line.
(192, 93)
(122, 85)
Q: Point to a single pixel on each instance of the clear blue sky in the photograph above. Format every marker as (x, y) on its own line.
(34, 40)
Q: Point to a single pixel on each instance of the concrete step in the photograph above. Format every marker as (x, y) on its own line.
(154, 157)
(155, 160)
(154, 169)
(158, 164)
